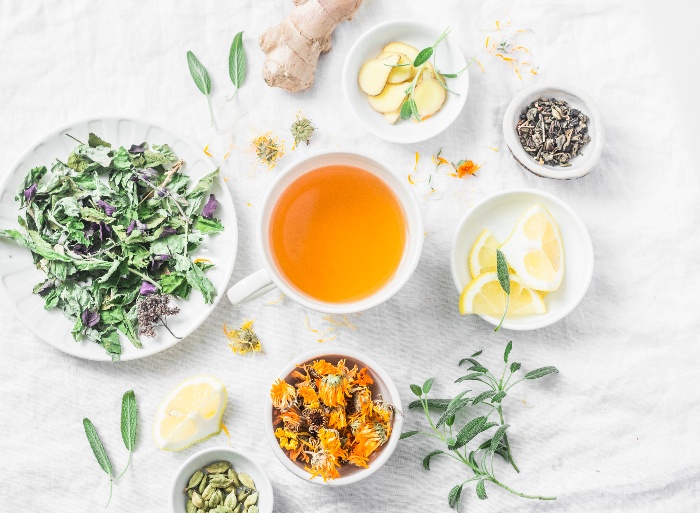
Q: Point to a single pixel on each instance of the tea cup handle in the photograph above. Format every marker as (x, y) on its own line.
(250, 287)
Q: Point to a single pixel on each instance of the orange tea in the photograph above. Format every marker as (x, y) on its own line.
(337, 233)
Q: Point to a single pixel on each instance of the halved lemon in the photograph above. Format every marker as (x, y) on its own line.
(484, 296)
(535, 251)
(482, 257)
(191, 413)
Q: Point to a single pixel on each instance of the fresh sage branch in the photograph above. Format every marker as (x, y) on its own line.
(200, 75)
(236, 64)
(504, 280)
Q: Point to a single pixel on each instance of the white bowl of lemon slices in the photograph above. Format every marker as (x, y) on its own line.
(548, 251)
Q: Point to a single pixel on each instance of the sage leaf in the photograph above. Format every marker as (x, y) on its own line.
(481, 490)
(468, 432)
(199, 74)
(538, 373)
(408, 434)
(406, 111)
(478, 353)
(423, 56)
(475, 376)
(97, 448)
(426, 460)
(417, 390)
(440, 404)
(469, 360)
(414, 109)
(237, 61)
(483, 396)
(478, 368)
(504, 280)
(499, 396)
(428, 385)
(453, 496)
(514, 366)
(509, 347)
(500, 432)
(129, 420)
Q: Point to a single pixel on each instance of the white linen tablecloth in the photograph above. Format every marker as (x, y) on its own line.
(617, 430)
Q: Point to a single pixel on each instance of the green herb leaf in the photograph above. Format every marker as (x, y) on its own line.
(469, 360)
(476, 376)
(478, 368)
(439, 404)
(500, 432)
(468, 432)
(502, 271)
(483, 396)
(129, 420)
(408, 434)
(237, 61)
(428, 385)
(426, 460)
(509, 347)
(97, 448)
(406, 111)
(199, 74)
(94, 141)
(478, 353)
(453, 496)
(418, 391)
(481, 490)
(499, 396)
(414, 109)
(423, 56)
(514, 366)
(538, 373)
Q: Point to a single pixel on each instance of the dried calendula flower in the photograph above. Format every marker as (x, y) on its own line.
(302, 129)
(466, 167)
(268, 149)
(243, 340)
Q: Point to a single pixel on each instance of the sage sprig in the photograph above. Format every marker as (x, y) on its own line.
(504, 280)
(200, 75)
(129, 425)
(236, 64)
(480, 413)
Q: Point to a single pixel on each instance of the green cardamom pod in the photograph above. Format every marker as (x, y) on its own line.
(238, 509)
(202, 485)
(252, 499)
(197, 500)
(190, 507)
(246, 481)
(220, 482)
(216, 499)
(252, 509)
(201, 511)
(195, 479)
(231, 500)
(242, 495)
(208, 492)
(218, 467)
(229, 489)
(233, 477)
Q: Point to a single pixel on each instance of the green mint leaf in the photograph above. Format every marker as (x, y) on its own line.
(237, 61)
(129, 420)
(482, 397)
(418, 391)
(502, 271)
(406, 110)
(509, 347)
(423, 56)
(199, 74)
(500, 432)
(453, 496)
(439, 404)
(499, 396)
(428, 385)
(468, 432)
(471, 377)
(408, 434)
(478, 353)
(514, 366)
(481, 490)
(426, 460)
(538, 373)
(97, 448)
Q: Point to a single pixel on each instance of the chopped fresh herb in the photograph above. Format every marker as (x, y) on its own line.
(112, 228)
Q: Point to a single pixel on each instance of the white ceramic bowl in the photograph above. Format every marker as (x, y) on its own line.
(421, 35)
(582, 164)
(499, 213)
(240, 463)
(382, 385)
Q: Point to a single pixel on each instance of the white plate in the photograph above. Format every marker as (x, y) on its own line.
(18, 275)
(421, 35)
(499, 213)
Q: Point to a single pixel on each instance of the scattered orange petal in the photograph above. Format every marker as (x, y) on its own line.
(493, 148)
(410, 180)
(226, 155)
(206, 151)
(520, 48)
(225, 430)
(517, 72)
(249, 204)
(467, 167)
(486, 44)
(276, 300)
(481, 66)
(225, 178)
(416, 164)
(202, 260)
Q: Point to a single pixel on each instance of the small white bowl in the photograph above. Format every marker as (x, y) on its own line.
(421, 35)
(383, 385)
(500, 213)
(583, 163)
(240, 463)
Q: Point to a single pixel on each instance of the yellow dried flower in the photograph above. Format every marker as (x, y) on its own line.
(268, 149)
(243, 340)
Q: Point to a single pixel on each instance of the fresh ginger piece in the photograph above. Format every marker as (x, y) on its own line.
(374, 74)
(392, 116)
(390, 99)
(429, 96)
(397, 47)
(402, 73)
(293, 46)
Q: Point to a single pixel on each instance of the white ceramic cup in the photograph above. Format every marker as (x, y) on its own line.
(270, 277)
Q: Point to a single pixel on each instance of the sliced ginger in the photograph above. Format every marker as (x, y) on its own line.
(375, 73)
(429, 96)
(392, 116)
(390, 99)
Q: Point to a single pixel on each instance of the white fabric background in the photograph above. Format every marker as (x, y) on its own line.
(616, 430)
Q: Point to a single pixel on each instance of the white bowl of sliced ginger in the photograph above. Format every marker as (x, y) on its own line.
(380, 78)
(547, 249)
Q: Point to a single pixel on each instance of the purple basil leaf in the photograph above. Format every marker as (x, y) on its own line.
(131, 227)
(30, 192)
(138, 148)
(90, 318)
(156, 262)
(167, 230)
(147, 288)
(108, 209)
(46, 288)
(210, 207)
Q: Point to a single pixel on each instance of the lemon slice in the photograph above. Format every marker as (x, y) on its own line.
(484, 296)
(535, 251)
(482, 257)
(191, 413)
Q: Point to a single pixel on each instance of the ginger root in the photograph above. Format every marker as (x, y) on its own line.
(292, 48)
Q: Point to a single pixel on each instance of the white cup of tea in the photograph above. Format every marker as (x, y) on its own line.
(338, 232)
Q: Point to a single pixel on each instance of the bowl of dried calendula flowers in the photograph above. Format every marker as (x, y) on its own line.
(554, 131)
(221, 480)
(333, 417)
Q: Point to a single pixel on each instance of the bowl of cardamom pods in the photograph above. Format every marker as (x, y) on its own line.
(221, 480)
(554, 131)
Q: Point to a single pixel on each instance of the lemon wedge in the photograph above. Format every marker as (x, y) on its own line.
(535, 251)
(191, 413)
(482, 257)
(484, 296)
